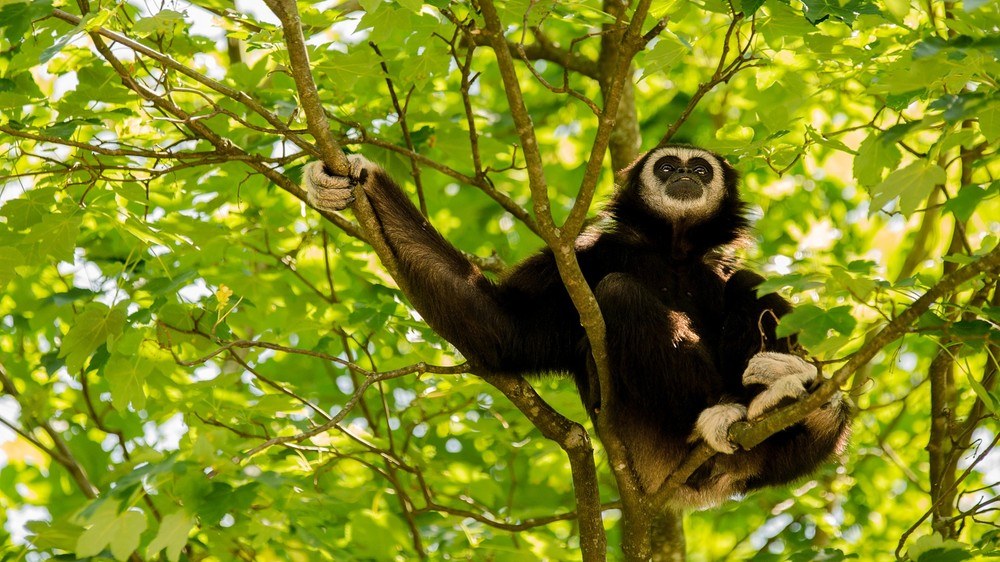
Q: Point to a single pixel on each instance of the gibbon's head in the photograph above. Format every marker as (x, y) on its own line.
(682, 183)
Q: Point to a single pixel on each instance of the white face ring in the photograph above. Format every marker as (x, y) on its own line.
(652, 193)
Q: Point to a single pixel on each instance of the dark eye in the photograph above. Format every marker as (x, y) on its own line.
(700, 170)
(666, 168)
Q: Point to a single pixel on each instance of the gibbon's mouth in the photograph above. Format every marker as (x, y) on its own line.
(685, 188)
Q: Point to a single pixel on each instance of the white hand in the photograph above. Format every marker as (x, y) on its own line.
(334, 193)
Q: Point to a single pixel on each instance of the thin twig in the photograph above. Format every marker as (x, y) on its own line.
(401, 115)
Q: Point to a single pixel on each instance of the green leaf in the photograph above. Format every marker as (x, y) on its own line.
(172, 535)
(164, 21)
(420, 69)
(119, 531)
(65, 129)
(347, 68)
(953, 107)
(968, 199)
(990, 401)
(58, 46)
(750, 7)
(17, 17)
(784, 26)
(873, 157)
(126, 377)
(133, 191)
(54, 236)
(17, 90)
(102, 84)
(989, 122)
(28, 210)
(815, 554)
(912, 184)
(933, 548)
(798, 282)
(814, 324)
(961, 137)
(733, 136)
(821, 140)
(72, 296)
(91, 329)
(9, 259)
(818, 10)
(412, 5)
(664, 55)
(898, 8)
(57, 534)
(859, 286)
(130, 525)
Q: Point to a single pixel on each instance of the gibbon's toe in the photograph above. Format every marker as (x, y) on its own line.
(785, 389)
(713, 426)
(767, 367)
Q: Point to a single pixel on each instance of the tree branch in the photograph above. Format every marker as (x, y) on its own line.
(291, 28)
(331, 154)
(60, 453)
(222, 145)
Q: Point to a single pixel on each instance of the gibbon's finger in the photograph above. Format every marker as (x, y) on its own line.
(316, 176)
(326, 192)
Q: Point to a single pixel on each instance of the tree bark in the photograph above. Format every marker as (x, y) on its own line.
(668, 543)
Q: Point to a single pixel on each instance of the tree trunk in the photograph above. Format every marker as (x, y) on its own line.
(644, 536)
(668, 544)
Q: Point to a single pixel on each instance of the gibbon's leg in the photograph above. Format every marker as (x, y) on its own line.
(754, 358)
(784, 378)
(662, 376)
(511, 327)
(796, 451)
(748, 328)
(790, 453)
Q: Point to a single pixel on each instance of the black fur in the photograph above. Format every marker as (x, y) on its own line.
(681, 328)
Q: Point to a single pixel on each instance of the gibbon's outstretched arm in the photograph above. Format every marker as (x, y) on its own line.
(510, 326)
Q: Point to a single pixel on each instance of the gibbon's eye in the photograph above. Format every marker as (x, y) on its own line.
(700, 170)
(666, 168)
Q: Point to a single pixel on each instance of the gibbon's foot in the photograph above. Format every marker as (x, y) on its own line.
(785, 378)
(713, 426)
(328, 192)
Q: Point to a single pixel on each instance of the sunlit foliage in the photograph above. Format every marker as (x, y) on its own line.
(175, 323)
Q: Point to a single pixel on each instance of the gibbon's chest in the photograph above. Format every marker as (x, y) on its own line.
(691, 288)
(692, 291)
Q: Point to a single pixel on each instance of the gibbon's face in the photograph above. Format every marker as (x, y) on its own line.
(682, 182)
